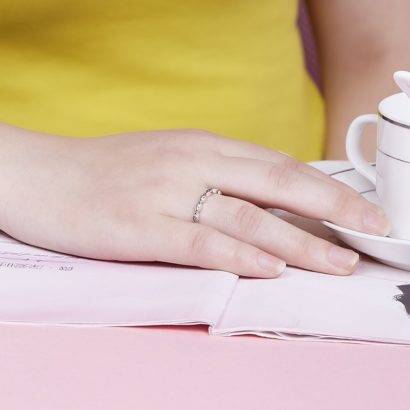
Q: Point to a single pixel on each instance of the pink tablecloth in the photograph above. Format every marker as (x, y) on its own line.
(57, 368)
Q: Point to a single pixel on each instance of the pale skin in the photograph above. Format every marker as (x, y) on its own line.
(130, 197)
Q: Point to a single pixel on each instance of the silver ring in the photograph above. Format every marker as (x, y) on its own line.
(202, 200)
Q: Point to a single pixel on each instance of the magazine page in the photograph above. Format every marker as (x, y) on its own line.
(300, 304)
(369, 306)
(41, 286)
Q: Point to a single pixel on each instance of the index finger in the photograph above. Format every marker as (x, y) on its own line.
(273, 185)
(243, 149)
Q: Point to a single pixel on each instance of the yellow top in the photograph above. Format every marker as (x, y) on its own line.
(97, 67)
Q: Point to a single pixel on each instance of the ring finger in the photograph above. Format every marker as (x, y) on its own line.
(248, 223)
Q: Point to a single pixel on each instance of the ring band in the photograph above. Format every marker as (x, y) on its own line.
(202, 200)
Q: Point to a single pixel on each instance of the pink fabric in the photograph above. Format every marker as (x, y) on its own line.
(57, 368)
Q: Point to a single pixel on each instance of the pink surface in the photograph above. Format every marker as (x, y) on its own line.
(61, 368)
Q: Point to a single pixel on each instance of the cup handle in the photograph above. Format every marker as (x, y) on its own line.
(353, 138)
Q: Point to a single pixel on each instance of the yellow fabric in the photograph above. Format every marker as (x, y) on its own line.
(97, 67)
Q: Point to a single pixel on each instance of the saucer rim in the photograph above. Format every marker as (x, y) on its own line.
(364, 235)
(358, 234)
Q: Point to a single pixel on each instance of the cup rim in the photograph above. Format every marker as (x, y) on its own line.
(391, 156)
(396, 109)
(394, 122)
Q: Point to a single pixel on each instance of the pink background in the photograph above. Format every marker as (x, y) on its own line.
(61, 368)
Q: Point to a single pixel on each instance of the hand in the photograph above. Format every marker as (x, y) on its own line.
(130, 197)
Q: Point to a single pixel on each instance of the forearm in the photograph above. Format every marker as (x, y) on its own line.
(361, 44)
(17, 145)
(14, 140)
(354, 91)
(23, 159)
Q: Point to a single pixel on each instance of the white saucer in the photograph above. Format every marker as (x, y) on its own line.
(393, 252)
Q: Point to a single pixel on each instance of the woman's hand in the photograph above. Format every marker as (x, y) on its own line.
(131, 197)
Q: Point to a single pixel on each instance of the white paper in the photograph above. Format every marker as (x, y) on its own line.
(41, 286)
(300, 303)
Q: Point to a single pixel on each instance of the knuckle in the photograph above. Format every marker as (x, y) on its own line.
(291, 164)
(304, 246)
(238, 255)
(197, 131)
(248, 220)
(188, 141)
(199, 243)
(204, 138)
(172, 148)
(342, 204)
(280, 176)
(183, 132)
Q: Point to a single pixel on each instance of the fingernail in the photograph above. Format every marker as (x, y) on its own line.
(375, 221)
(270, 265)
(342, 258)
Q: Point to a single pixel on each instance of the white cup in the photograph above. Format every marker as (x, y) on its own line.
(391, 176)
